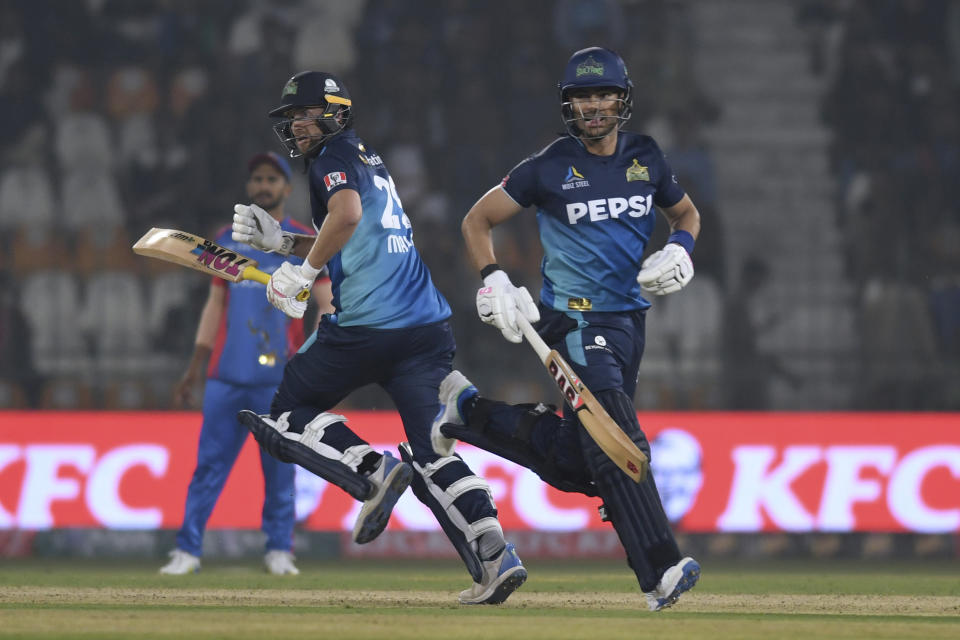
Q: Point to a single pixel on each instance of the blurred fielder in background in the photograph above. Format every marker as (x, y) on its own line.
(390, 328)
(247, 343)
(595, 191)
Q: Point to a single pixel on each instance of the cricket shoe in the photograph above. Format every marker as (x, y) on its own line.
(454, 389)
(676, 580)
(280, 563)
(501, 576)
(181, 563)
(390, 480)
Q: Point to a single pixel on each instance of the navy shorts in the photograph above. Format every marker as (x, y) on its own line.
(408, 363)
(604, 348)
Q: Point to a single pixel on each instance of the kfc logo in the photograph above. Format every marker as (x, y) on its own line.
(334, 178)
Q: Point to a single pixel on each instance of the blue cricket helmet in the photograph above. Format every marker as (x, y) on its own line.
(313, 89)
(595, 67)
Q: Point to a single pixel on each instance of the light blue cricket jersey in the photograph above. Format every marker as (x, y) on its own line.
(378, 278)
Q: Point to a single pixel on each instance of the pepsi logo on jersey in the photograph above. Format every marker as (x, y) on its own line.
(605, 208)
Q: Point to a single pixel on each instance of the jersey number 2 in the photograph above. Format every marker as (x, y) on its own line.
(389, 219)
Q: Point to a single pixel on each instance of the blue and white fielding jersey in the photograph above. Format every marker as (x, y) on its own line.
(254, 339)
(596, 215)
(378, 278)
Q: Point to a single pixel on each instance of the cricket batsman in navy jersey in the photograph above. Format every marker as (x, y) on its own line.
(245, 344)
(389, 327)
(595, 191)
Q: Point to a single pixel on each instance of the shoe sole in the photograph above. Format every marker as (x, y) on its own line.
(376, 521)
(691, 573)
(504, 589)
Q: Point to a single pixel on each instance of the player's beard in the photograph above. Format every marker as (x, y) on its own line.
(608, 124)
(266, 201)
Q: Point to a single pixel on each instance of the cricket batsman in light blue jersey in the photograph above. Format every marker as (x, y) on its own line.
(389, 328)
(595, 190)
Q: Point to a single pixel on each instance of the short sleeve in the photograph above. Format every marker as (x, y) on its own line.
(669, 191)
(521, 183)
(329, 174)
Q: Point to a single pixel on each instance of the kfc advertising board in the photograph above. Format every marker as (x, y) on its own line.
(732, 472)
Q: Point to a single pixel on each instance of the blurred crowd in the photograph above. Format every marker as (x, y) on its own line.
(892, 70)
(120, 116)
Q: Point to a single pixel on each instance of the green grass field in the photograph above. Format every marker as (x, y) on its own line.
(417, 600)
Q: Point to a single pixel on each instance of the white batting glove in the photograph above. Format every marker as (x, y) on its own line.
(257, 228)
(286, 284)
(499, 302)
(666, 271)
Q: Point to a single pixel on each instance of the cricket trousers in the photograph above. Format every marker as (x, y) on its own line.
(221, 438)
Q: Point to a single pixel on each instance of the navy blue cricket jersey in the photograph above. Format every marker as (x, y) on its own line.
(378, 278)
(596, 215)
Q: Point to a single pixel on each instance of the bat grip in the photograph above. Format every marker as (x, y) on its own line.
(533, 337)
(252, 273)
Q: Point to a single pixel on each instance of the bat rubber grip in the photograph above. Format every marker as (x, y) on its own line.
(252, 273)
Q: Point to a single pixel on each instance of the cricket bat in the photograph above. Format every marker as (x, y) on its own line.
(188, 250)
(594, 418)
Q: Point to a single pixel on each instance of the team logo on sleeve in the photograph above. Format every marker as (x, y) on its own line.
(574, 179)
(637, 171)
(334, 178)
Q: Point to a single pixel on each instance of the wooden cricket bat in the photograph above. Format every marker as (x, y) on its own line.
(594, 418)
(188, 250)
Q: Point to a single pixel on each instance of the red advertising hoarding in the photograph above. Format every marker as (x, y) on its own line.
(734, 472)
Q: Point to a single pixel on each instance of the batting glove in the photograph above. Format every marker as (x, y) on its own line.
(499, 302)
(666, 271)
(287, 283)
(257, 228)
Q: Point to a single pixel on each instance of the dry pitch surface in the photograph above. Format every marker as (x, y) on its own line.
(350, 599)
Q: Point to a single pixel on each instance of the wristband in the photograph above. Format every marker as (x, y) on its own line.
(487, 270)
(682, 238)
(308, 270)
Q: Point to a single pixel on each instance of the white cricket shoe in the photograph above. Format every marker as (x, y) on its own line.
(453, 387)
(181, 563)
(280, 563)
(501, 576)
(676, 580)
(390, 480)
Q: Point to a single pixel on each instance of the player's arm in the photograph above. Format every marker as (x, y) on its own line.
(495, 207)
(683, 216)
(344, 212)
(210, 318)
(498, 301)
(302, 243)
(671, 268)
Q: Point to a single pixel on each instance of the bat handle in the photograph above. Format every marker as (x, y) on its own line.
(533, 337)
(252, 273)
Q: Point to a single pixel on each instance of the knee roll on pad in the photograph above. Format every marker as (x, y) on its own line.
(276, 439)
(634, 509)
(449, 489)
(312, 437)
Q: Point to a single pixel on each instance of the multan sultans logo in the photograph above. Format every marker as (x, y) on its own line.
(289, 89)
(589, 67)
(637, 171)
(574, 179)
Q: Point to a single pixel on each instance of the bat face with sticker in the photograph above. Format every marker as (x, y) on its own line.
(194, 252)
